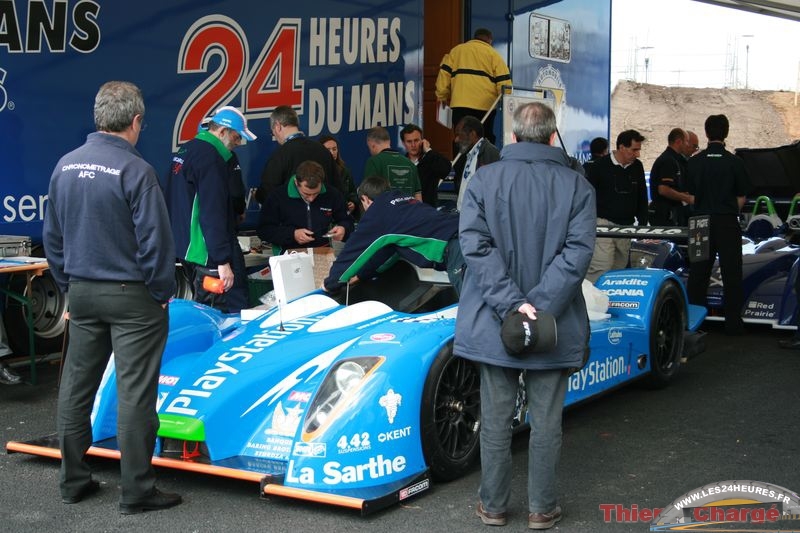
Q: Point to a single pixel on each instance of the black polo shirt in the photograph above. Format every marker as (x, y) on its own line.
(717, 178)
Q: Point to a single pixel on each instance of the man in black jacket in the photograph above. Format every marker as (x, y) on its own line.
(719, 182)
(395, 223)
(476, 151)
(618, 179)
(294, 148)
(668, 182)
(432, 166)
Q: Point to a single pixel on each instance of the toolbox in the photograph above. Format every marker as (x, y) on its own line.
(15, 245)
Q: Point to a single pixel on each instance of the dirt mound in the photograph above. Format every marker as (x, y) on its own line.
(759, 119)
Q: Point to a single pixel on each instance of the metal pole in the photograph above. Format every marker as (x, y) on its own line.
(747, 66)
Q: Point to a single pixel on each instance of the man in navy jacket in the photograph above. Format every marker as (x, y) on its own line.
(304, 212)
(108, 242)
(527, 233)
(396, 223)
(201, 209)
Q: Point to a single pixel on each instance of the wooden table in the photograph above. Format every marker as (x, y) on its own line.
(31, 267)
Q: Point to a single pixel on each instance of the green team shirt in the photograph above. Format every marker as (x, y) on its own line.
(398, 169)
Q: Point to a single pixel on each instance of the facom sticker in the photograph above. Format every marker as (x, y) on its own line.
(414, 489)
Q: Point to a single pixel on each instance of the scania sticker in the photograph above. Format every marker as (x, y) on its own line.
(414, 489)
(624, 292)
(310, 449)
(390, 401)
(614, 336)
(382, 337)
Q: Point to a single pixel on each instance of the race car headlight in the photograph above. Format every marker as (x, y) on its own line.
(344, 379)
(348, 375)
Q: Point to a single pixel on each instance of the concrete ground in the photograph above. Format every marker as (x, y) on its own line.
(730, 414)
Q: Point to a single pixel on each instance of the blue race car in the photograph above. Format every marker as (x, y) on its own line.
(769, 270)
(361, 403)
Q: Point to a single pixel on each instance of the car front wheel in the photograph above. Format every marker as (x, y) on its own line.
(667, 326)
(450, 416)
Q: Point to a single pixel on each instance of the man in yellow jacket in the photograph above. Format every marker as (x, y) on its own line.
(471, 76)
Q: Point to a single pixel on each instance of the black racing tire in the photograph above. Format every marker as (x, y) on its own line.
(667, 327)
(450, 417)
(184, 289)
(49, 305)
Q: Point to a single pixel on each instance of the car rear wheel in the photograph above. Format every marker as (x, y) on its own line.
(667, 326)
(48, 304)
(450, 416)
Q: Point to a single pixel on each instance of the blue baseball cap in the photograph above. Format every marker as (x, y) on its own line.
(230, 117)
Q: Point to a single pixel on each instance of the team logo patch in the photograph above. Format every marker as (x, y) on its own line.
(390, 401)
(414, 489)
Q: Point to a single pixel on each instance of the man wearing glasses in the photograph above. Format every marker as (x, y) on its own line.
(201, 210)
(293, 148)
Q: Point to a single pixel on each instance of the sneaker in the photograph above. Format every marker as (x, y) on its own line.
(490, 519)
(544, 520)
(8, 376)
(156, 501)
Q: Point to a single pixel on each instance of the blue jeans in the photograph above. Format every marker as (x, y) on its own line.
(545, 391)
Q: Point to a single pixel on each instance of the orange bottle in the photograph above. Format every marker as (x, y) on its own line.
(212, 284)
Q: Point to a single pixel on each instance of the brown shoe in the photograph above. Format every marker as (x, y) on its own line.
(490, 519)
(544, 520)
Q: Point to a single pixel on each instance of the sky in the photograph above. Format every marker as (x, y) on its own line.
(692, 44)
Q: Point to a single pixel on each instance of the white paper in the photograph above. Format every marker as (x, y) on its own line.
(444, 115)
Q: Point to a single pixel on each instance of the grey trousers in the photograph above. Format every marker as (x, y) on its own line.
(123, 318)
(545, 392)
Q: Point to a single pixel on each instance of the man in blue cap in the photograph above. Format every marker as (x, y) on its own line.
(201, 210)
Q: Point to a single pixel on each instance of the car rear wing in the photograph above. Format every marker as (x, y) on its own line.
(677, 234)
